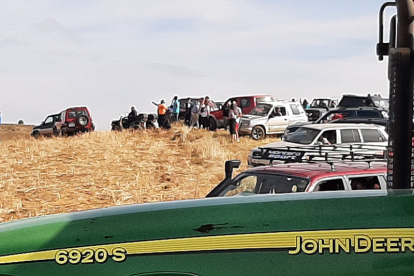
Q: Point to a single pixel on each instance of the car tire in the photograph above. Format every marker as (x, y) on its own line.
(258, 133)
(56, 132)
(36, 134)
(212, 124)
(83, 119)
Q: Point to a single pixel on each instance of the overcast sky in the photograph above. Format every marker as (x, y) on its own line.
(110, 55)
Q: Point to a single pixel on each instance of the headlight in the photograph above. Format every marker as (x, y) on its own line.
(256, 153)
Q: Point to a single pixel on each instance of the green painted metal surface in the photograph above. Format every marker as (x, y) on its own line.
(255, 235)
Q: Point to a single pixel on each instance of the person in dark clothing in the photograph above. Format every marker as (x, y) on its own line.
(132, 116)
(187, 117)
(226, 108)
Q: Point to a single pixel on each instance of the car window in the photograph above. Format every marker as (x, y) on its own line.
(49, 120)
(266, 184)
(328, 135)
(334, 115)
(364, 183)
(303, 135)
(330, 185)
(264, 99)
(350, 136)
(282, 110)
(295, 109)
(368, 114)
(372, 135)
(76, 113)
(245, 102)
(261, 110)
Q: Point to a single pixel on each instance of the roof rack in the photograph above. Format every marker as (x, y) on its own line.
(322, 153)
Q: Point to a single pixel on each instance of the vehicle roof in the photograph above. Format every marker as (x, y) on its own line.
(278, 102)
(319, 170)
(344, 108)
(340, 126)
(250, 96)
(76, 107)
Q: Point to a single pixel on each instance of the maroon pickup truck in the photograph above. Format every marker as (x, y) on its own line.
(246, 103)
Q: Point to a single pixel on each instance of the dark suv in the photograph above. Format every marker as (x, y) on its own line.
(46, 127)
(74, 120)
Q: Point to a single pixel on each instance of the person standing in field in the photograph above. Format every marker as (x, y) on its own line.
(232, 122)
(239, 114)
(194, 115)
(226, 108)
(175, 108)
(204, 113)
(161, 111)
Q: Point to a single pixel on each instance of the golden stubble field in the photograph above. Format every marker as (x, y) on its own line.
(101, 169)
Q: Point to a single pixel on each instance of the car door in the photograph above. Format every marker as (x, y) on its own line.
(349, 136)
(277, 124)
(296, 114)
(47, 126)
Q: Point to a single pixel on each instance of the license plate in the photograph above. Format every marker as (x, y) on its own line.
(71, 124)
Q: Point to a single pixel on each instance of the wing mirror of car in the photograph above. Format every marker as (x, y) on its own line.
(271, 115)
(230, 165)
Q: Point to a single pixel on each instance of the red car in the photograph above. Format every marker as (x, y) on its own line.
(74, 120)
(305, 177)
(246, 103)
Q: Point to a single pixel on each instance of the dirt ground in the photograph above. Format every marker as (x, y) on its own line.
(14, 132)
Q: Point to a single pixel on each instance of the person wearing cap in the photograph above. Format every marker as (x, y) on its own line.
(161, 111)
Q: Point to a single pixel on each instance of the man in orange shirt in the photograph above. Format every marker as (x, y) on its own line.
(162, 110)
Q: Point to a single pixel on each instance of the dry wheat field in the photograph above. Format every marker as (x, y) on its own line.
(101, 169)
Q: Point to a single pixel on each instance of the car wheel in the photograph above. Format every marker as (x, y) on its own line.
(212, 125)
(55, 132)
(258, 133)
(36, 134)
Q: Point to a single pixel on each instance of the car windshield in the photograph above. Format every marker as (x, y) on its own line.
(259, 183)
(77, 113)
(319, 103)
(261, 110)
(303, 135)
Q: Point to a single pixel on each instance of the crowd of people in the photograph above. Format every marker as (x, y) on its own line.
(197, 114)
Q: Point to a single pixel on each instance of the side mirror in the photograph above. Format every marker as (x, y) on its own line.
(42, 122)
(271, 115)
(230, 165)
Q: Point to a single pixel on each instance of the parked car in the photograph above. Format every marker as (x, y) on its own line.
(184, 105)
(332, 138)
(246, 103)
(264, 118)
(70, 121)
(320, 106)
(74, 120)
(351, 113)
(305, 177)
(364, 101)
(46, 127)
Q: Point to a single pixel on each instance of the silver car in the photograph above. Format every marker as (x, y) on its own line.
(271, 118)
